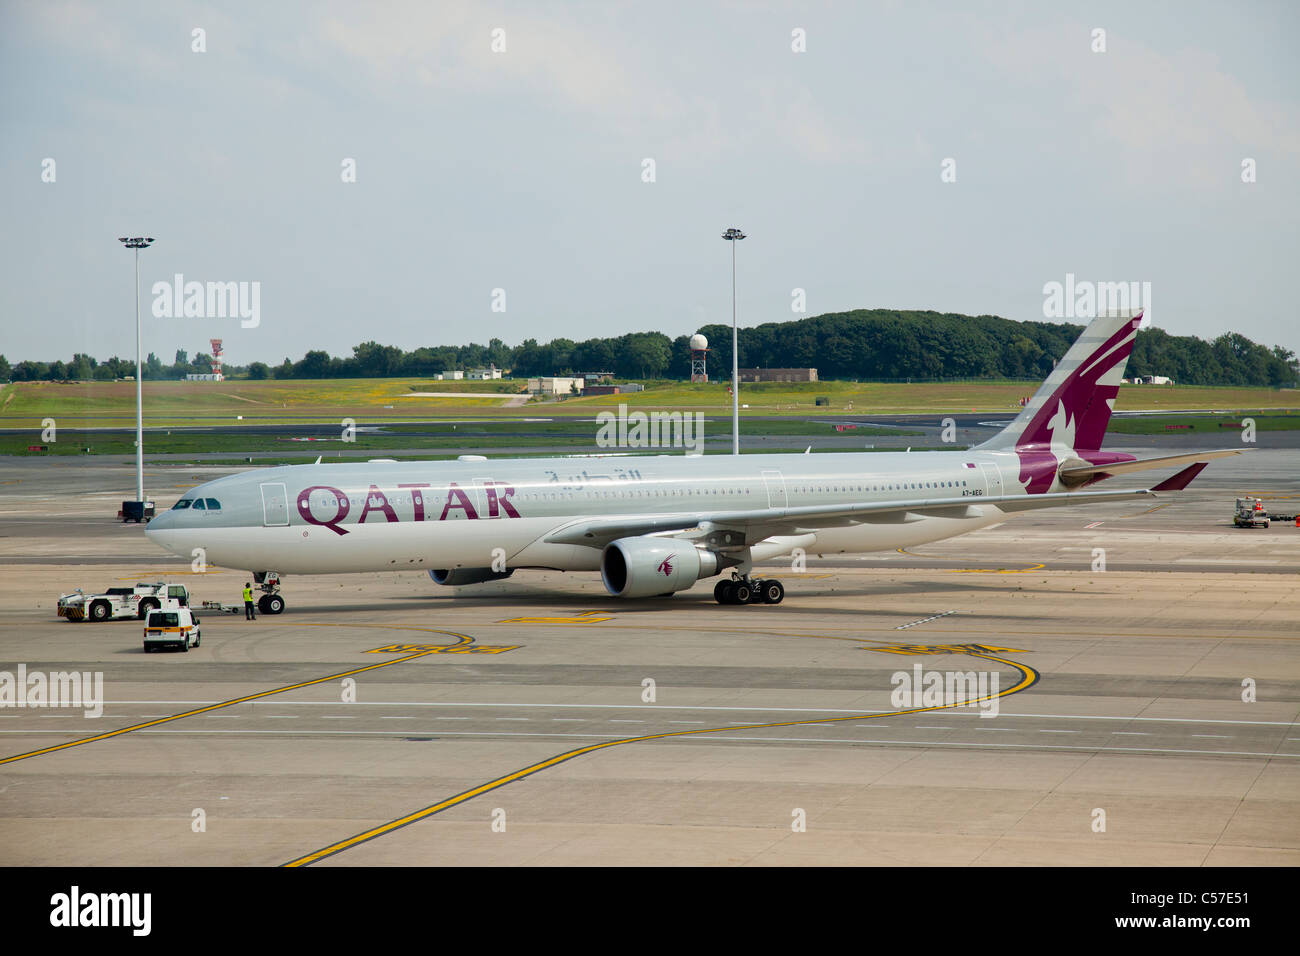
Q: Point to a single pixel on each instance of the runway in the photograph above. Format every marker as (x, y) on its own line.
(1142, 710)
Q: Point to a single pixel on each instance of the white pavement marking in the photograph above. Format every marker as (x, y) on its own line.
(755, 710)
(1247, 561)
(924, 620)
(669, 738)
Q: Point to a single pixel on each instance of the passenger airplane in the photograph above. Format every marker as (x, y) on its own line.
(654, 525)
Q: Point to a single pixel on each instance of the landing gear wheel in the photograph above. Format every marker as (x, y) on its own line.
(742, 593)
(274, 604)
(720, 592)
(773, 592)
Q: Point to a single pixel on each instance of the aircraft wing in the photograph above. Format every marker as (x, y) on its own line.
(766, 522)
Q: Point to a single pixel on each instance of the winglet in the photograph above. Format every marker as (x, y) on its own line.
(1181, 480)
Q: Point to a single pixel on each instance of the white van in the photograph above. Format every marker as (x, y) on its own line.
(174, 627)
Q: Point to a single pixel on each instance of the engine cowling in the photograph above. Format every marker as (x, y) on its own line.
(642, 567)
(454, 577)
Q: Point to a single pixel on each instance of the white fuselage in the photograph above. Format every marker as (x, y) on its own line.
(377, 516)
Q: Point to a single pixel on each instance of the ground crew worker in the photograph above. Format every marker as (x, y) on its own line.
(248, 602)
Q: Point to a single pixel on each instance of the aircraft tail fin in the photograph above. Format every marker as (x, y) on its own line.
(1071, 409)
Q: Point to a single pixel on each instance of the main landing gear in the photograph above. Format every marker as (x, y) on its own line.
(268, 582)
(745, 590)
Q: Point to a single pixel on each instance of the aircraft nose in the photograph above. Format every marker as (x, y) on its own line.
(161, 531)
(162, 522)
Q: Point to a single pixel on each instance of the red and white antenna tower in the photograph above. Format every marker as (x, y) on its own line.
(216, 358)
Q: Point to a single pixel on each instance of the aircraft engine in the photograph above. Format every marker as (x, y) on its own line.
(458, 576)
(641, 567)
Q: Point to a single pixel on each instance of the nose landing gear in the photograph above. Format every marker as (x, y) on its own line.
(268, 582)
(747, 590)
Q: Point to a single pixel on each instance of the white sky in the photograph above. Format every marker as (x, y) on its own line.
(522, 170)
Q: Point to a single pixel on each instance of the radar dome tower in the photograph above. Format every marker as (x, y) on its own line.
(699, 351)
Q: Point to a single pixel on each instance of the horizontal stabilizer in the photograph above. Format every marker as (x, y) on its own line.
(1072, 473)
(1181, 480)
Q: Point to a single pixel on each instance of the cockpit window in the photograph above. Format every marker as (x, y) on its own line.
(198, 504)
(213, 504)
(183, 503)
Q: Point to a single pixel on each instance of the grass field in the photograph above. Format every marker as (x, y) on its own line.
(574, 435)
(1200, 424)
(26, 404)
(266, 460)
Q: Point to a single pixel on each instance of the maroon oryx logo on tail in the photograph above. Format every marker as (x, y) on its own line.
(1073, 419)
(666, 566)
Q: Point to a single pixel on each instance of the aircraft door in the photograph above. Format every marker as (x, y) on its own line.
(275, 506)
(992, 479)
(774, 481)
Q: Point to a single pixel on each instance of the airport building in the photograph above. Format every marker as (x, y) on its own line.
(778, 375)
(556, 385)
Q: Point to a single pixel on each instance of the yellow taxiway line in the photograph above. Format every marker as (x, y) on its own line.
(461, 639)
(1028, 677)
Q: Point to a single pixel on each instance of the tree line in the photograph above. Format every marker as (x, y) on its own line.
(85, 368)
(864, 345)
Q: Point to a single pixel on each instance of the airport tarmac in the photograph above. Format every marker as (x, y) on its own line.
(1139, 660)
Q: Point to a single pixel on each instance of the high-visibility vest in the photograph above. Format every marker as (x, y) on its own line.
(248, 594)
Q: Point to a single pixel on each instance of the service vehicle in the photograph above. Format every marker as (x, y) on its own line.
(1250, 514)
(176, 627)
(122, 602)
(137, 511)
(216, 607)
